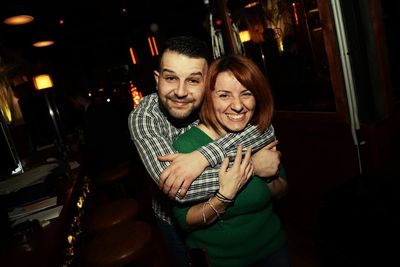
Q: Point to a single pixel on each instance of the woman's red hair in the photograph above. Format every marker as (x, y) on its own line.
(250, 76)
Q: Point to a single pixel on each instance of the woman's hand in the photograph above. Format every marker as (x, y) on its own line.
(232, 180)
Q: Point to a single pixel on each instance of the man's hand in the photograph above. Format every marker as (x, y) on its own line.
(266, 161)
(181, 173)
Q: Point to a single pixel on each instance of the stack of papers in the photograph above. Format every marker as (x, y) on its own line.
(28, 178)
(41, 210)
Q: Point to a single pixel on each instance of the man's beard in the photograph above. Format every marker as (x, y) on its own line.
(180, 117)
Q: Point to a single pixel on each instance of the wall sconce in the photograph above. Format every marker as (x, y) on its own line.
(42, 81)
(244, 36)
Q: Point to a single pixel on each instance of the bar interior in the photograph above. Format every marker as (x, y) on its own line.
(334, 70)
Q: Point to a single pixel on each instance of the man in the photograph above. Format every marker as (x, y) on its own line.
(104, 142)
(161, 117)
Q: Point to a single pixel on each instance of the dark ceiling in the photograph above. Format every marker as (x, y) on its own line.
(96, 35)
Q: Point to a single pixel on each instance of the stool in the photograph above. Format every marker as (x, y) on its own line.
(114, 174)
(111, 214)
(119, 245)
(111, 180)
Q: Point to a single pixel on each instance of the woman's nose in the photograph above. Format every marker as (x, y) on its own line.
(236, 105)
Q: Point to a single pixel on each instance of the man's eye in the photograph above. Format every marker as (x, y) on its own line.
(194, 81)
(170, 78)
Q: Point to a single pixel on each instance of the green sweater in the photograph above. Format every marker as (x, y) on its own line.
(249, 230)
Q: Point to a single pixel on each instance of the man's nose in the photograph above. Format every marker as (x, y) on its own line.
(181, 91)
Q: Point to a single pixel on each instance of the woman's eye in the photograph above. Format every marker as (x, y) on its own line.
(248, 93)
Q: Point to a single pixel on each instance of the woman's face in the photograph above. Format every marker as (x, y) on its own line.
(233, 103)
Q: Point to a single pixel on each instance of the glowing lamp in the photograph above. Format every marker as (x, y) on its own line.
(42, 81)
(244, 36)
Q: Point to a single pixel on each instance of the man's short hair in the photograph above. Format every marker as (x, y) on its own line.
(189, 46)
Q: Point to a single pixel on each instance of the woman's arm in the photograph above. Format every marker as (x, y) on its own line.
(231, 181)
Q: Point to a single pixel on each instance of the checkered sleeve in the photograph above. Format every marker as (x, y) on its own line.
(226, 146)
(153, 136)
(150, 143)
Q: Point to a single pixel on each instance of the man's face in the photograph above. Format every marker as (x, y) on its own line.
(180, 83)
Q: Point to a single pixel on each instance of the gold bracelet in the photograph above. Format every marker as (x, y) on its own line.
(204, 215)
(214, 209)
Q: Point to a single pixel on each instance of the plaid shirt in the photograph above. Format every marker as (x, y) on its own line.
(153, 135)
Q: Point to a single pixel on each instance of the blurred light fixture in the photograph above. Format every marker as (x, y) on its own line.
(42, 81)
(136, 95)
(244, 36)
(18, 20)
(218, 22)
(43, 43)
(133, 56)
(153, 46)
(251, 4)
(296, 18)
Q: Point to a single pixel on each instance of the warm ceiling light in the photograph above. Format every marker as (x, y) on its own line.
(18, 20)
(43, 43)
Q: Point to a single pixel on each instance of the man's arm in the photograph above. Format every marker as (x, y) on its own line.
(279, 186)
(266, 161)
(215, 152)
(147, 136)
(153, 138)
(226, 146)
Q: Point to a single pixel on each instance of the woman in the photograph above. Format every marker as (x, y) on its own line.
(237, 225)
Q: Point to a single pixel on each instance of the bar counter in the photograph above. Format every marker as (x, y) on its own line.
(51, 243)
